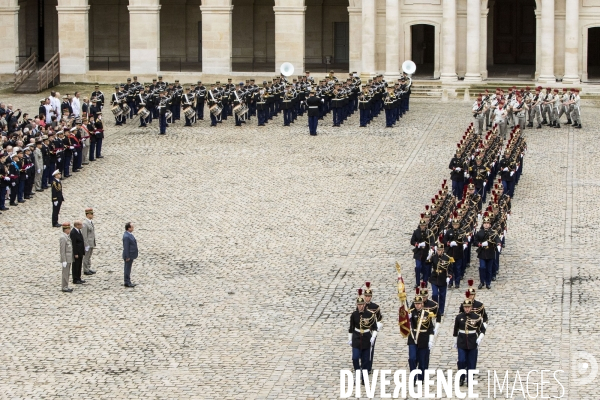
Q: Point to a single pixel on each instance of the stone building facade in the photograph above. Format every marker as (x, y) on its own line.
(449, 40)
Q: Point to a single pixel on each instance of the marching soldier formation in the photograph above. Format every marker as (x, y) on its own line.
(525, 108)
(459, 221)
(165, 101)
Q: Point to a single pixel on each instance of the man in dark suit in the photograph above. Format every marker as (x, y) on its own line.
(130, 253)
(78, 251)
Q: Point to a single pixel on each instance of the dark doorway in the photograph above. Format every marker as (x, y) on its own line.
(514, 32)
(594, 53)
(341, 36)
(423, 49)
(40, 31)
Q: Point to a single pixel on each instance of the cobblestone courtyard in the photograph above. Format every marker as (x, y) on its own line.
(253, 241)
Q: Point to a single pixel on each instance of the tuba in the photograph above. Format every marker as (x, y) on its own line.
(286, 69)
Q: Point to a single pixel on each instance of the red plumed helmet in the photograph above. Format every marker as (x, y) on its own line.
(470, 180)
(444, 183)
(423, 284)
(368, 285)
(360, 292)
(467, 293)
(470, 282)
(417, 290)
(485, 214)
(427, 207)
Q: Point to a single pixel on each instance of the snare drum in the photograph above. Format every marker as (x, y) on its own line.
(216, 110)
(117, 110)
(189, 112)
(126, 110)
(143, 113)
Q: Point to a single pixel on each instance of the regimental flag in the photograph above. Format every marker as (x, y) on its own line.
(403, 320)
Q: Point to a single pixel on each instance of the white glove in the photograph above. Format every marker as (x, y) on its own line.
(437, 328)
(505, 169)
(484, 183)
(484, 243)
(505, 233)
(480, 338)
(87, 248)
(430, 342)
(467, 175)
(455, 341)
(457, 169)
(452, 243)
(379, 326)
(75, 153)
(39, 170)
(507, 217)
(499, 248)
(469, 238)
(464, 246)
(373, 336)
(7, 178)
(64, 264)
(56, 203)
(512, 173)
(13, 183)
(485, 325)
(71, 147)
(422, 244)
(350, 339)
(447, 281)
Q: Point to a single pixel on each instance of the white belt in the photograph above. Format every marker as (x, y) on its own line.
(466, 333)
(362, 331)
(313, 107)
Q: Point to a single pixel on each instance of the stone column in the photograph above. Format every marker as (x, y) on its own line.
(355, 22)
(368, 38)
(392, 41)
(572, 42)
(289, 35)
(547, 64)
(144, 37)
(9, 32)
(448, 41)
(73, 36)
(473, 73)
(216, 38)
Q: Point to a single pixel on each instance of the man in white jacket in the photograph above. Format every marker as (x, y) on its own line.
(76, 105)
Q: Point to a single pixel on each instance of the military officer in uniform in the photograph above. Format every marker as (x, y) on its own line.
(420, 340)
(362, 334)
(200, 91)
(421, 243)
(458, 169)
(487, 243)
(374, 309)
(430, 306)
(57, 197)
(468, 334)
(99, 96)
(455, 243)
(440, 276)
(163, 107)
(66, 256)
(313, 103)
(478, 307)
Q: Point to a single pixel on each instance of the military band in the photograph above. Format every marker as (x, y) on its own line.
(338, 96)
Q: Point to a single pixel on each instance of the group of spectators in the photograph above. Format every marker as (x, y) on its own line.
(63, 136)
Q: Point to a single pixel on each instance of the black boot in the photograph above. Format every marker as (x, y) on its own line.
(569, 122)
(578, 126)
(539, 126)
(544, 122)
(530, 125)
(557, 125)
(480, 286)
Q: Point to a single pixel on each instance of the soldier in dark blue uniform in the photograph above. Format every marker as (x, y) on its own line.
(455, 242)
(421, 242)
(440, 276)
(420, 340)
(478, 307)
(487, 243)
(57, 197)
(163, 107)
(468, 334)
(364, 105)
(374, 309)
(200, 91)
(313, 103)
(362, 334)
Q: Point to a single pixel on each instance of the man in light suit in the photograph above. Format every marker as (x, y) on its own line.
(130, 253)
(89, 240)
(78, 251)
(66, 255)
